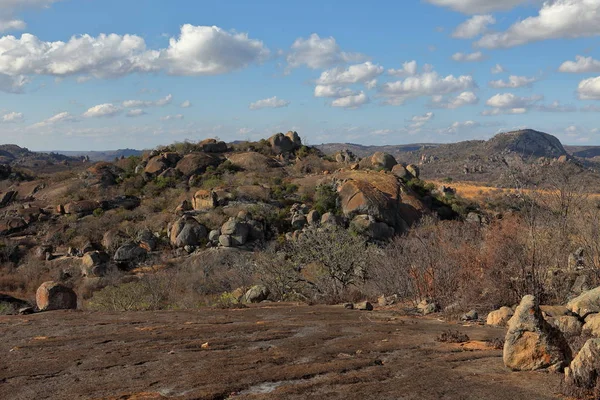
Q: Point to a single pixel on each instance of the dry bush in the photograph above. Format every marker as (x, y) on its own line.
(450, 336)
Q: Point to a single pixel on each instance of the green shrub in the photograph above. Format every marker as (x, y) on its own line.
(326, 199)
(98, 212)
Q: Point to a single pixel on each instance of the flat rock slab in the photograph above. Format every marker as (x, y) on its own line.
(279, 351)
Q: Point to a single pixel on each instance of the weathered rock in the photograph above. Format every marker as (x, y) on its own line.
(40, 252)
(12, 304)
(299, 221)
(197, 163)
(130, 253)
(256, 294)
(349, 306)
(470, 316)
(531, 343)
(225, 241)
(580, 285)
(113, 239)
(366, 225)
(183, 207)
(364, 306)
(12, 224)
(252, 161)
(281, 143)
(94, 258)
(586, 303)
(413, 170)
(592, 325)
(7, 198)
(204, 200)
(55, 296)
(156, 165)
(330, 219)
(570, 326)
(213, 146)
(83, 207)
(213, 235)
(147, 240)
(187, 231)
(383, 160)
(400, 171)
(238, 231)
(584, 370)
(313, 218)
(384, 301)
(295, 138)
(427, 307)
(499, 317)
(360, 197)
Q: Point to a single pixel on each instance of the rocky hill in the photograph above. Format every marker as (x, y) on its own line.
(38, 162)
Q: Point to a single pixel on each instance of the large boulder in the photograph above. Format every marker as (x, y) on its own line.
(287, 143)
(499, 317)
(213, 146)
(586, 303)
(531, 343)
(366, 225)
(158, 164)
(130, 253)
(569, 325)
(401, 172)
(55, 296)
(584, 370)
(82, 207)
(187, 231)
(252, 161)
(381, 160)
(592, 325)
(238, 231)
(205, 200)
(413, 170)
(256, 294)
(197, 163)
(361, 197)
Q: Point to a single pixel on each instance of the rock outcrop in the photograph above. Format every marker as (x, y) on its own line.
(531, 343)
(586, 303)
(55, 296)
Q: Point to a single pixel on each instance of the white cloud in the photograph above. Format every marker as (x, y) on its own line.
(425, 84)
(589, 89)
(55, 119)
(581, 65)
(508, 103)
(317, 53)
(12, 84)
(186, 104)
(12, 117)
(144, 104)
(381, 132)
(409, 68)
(556, 19)
(478, 6)
(513, 82)
(458, 127)
(332, 91)
(199, 50)
(473, 27)
(418, 121)
(372, 84)
(353, 74)
(497, 69)
(591, 108)
(137, 112)
(12, 25)
(463, 99)
(555, 107)
(352, 101)
(102, 110)
(210, 50)
(469, 57)
(271, 102)
(172, 117)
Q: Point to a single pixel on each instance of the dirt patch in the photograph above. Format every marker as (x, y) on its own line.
(284, 351)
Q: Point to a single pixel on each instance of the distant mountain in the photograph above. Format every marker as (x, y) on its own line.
(108, 155)
(16, 156)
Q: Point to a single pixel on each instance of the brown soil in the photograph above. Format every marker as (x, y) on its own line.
(280, 351)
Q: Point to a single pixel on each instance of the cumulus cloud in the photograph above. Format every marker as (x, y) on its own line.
(469, 57)
(427, 83)
(199, 50)
(497, 69)
(271, 102)
(172, 117)
(137, 112)
(463, 99)
(12, 117)
(556, 19)
(473, 27)
(12, 84)
(332, 91)
(56, 119)
(513, 82)
(478, 6)
(458, 127)
(9, 7)
(102, 110)
(581, 65)
(508, 103)
(12, 25)
(409, 68)
(417, 121)
(352, 101)
(555, 107)
(353, 74)
(589, 89)
(317, 53)
(144, 104)
(186, 104)
(591, 108)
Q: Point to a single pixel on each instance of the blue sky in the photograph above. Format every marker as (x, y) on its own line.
(97, 75)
